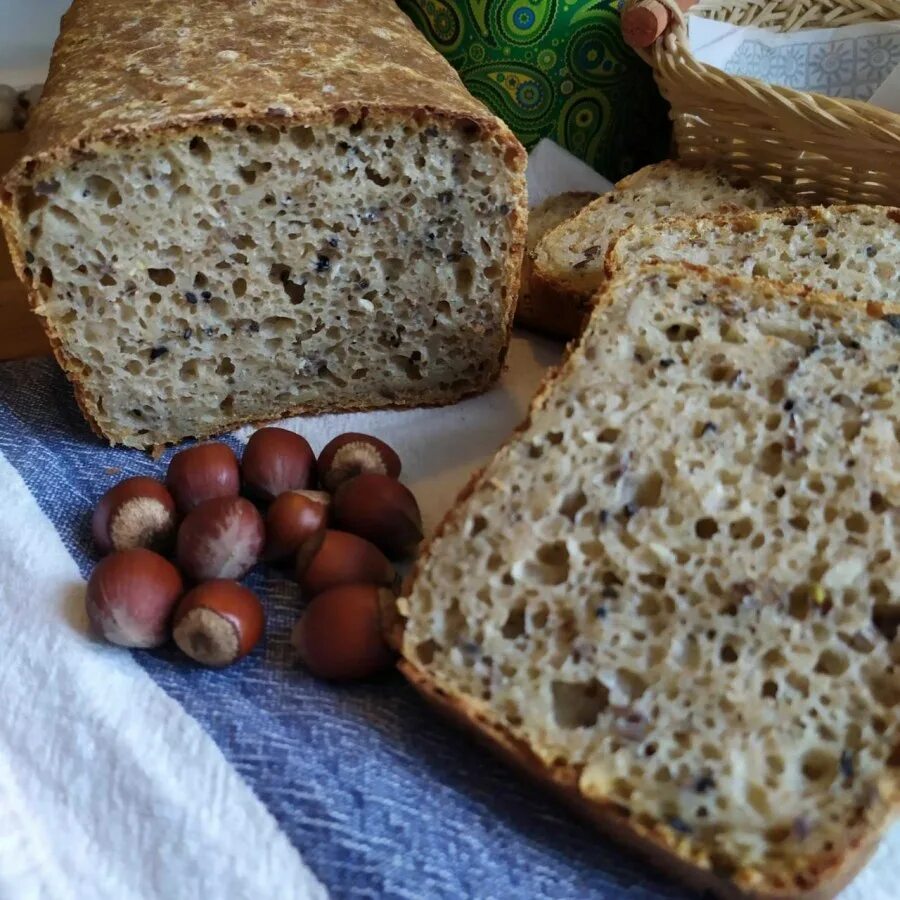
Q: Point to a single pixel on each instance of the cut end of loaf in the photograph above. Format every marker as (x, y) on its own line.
(221, 275)
(681, 579)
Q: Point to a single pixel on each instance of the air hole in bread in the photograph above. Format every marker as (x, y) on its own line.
(425, 652)
(886, 617)
(831, 662)
(741, 529)
(885, 687)
(682, 331)
(649, 491)
(514, 626)
(578, 704)
(819, 765)
(162, 277)
(573, 504)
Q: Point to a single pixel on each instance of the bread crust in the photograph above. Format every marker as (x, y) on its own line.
(274, 64)
(573, 306)
(538, 309)
(610, 819)
(827, 876)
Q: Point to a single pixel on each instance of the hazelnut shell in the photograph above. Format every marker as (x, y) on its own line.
(352, 454)
(137, 512)
(292, 519)
(339, 637)
(221, 538)
(218, 622)
(276, 460)
(381, 510)
(203, 473)
(130, 597)
(341, 558)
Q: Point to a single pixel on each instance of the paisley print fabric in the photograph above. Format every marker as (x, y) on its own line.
(557, 69)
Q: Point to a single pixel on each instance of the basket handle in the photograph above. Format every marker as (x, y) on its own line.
(644, 22)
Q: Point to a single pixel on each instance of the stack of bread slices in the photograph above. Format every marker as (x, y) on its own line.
(676, 213)
(674, 594)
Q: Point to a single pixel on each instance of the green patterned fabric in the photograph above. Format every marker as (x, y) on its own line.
(557, 69)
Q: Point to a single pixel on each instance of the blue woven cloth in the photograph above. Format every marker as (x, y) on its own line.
(380, 797)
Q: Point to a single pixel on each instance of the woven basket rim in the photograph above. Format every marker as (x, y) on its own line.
(674, 45)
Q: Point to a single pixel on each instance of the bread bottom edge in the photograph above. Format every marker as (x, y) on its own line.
(607, 817)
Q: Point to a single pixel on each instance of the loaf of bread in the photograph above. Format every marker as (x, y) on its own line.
(536, 309)
(850, 250)
(233, 212)
(568, 261)
(674, 594)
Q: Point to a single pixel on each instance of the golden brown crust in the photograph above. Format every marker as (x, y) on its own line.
(538, 308)
(120, 70)
(612, 819)
(572, 305)
(554, 308)
(123, 74)
(827, 876)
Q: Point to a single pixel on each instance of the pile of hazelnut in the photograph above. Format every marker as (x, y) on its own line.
(175, 552)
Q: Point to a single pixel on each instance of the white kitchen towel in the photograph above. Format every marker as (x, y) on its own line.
(108, 788)
(849, 61)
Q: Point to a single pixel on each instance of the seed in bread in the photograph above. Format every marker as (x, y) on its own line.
(271, 211)
(675, 592)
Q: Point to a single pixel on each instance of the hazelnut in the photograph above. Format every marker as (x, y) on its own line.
(202, 473)
(221, 538)
(130, 597)
(340, 558)
(293, 519)
(137, 512)
(339, 636)
(218, 623)
(381, 510)
(353, 454)
(275, 461)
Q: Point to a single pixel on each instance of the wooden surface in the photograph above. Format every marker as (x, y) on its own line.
(20, 333)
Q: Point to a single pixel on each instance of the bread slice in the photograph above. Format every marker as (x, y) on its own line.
(850, 250)
(568, 261)
(674, 594)
(536, 309)
(233, 215)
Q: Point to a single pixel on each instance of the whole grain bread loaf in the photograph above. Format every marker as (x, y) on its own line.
(849, 250)
(674, 595)
(536, 309)
(232, 212)
(568, 261)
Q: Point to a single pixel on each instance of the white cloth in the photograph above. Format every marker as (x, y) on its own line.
(108, 789)
(851, 61)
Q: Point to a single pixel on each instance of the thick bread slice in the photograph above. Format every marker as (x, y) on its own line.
(568, 261)
(675, 593)
(850, 250)
(536, 309)
(233, 212)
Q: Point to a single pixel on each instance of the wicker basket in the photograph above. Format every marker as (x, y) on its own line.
(821, 149)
